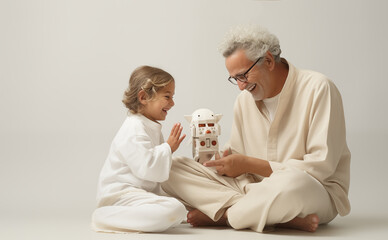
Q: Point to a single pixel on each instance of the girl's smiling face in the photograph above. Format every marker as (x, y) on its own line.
(156, 109)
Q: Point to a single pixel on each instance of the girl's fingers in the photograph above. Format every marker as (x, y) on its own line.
(181, 139)
(180, 131)
(174, 130)
(177, 130)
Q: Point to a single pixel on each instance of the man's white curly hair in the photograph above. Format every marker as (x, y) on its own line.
(254, 39)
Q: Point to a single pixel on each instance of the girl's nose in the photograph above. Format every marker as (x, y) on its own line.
(172, 102)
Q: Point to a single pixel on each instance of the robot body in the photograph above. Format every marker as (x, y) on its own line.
(204, 131)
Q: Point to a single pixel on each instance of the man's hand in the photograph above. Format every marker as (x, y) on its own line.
(231, 165)
(175, 139)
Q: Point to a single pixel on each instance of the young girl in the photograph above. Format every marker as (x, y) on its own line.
(129, 193)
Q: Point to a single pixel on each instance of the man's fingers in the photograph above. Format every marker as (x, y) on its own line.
(219, 166)
(227, 152)
(212, 163)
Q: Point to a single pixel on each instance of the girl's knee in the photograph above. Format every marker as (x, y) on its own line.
(100, 220)
(177, 210)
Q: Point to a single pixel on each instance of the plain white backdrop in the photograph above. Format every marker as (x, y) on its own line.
(65, 64)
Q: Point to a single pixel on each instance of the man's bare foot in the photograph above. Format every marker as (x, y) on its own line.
(308, 223)
(197, 218)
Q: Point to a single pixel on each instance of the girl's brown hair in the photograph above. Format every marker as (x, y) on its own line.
(149, 79)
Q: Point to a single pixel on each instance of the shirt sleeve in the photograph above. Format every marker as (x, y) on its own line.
(147, 162)
(235, 142)
(326, 139)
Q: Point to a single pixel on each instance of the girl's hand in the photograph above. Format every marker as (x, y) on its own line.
(175, 139)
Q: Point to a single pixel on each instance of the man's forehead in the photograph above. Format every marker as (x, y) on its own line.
(237, 63)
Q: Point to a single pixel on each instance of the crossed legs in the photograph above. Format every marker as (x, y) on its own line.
(288, 198)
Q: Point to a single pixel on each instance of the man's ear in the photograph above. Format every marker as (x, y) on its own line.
(269, 61)
(142, 97)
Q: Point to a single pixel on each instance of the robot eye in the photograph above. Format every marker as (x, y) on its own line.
(210, 124)
(201, 125)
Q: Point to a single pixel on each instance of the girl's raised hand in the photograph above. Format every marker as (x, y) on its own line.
(175, 139)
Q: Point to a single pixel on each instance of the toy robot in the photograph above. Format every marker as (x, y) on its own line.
(204, 131)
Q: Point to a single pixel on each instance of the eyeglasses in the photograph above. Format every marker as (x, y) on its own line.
(242, 77)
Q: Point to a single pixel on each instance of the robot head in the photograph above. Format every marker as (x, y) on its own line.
(205, 122)
(203, 115)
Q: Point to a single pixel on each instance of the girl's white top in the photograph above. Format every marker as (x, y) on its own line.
(138, 159)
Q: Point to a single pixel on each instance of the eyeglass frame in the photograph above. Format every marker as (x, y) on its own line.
(234, 80)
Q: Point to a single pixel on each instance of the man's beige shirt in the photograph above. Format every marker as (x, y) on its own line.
(307, 132)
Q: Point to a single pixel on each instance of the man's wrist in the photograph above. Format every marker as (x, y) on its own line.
(257, 166)
(246, 163)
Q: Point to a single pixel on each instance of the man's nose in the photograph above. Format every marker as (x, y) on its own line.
(241, 85)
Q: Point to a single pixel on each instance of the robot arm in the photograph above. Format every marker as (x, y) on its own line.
(218, 129)
(193, 130)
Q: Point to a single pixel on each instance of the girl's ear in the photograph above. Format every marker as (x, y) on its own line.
(142, 96)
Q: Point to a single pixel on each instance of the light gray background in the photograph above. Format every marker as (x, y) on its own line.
(65, 64)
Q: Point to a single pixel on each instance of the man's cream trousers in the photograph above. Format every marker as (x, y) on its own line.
(251, 201)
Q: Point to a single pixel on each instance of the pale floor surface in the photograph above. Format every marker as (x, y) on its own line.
(353, 226)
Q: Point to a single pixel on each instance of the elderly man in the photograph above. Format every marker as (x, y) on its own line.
(287, 162)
